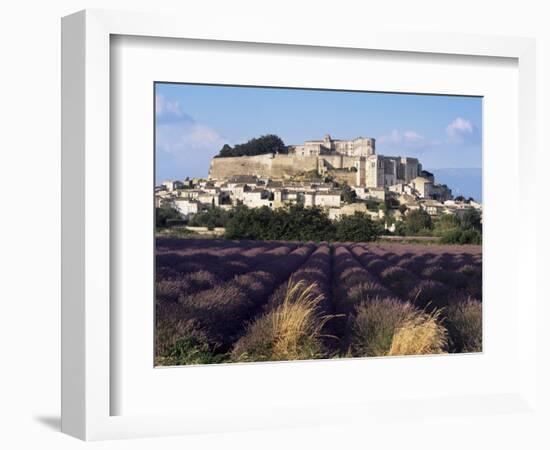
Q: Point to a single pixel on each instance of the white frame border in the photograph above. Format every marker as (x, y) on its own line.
(86, 194)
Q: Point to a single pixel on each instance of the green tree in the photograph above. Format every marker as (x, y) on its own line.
(416, 222)
(269, 143)
(458, 236)
(357, 228)
(291, 223)
(226, 150)
(167, 215)
(211, 218)
(348, 194)
(471, 220)
(304, 223)
(445, 223)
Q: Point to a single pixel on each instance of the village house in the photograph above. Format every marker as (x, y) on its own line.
(172, 185)
(350, 209)
(256, 198)
(328, 199)
(432, 207)
(187, 208)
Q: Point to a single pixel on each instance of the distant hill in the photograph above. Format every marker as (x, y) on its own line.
(465, 181)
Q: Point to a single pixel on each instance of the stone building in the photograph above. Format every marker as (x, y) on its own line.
(356, 147)
(187, 208)
(354, 162)
(329, 199)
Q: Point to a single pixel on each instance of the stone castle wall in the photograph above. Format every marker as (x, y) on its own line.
(339, 161)
(344, 176)
(375, 170)
(265, 166)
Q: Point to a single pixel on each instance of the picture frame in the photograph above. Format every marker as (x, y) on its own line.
(89, 322)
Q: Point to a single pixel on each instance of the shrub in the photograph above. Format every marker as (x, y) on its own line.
(451, 236)
(190, 350)
(416, 222)
(399, 280)
(452, 278)
(166, 213)
(473, 276)
(458, 236)
(183, 343)
(471, 220)
(360, 293)
(430, 294)
(358, 227)
(291, 331)
(295, 222)
(168, 290)
(469, 270)
(197, 281)
(471, 237)
(210, 218)
(446, 222)
(352, 282)
(377, 265)
(415, 265)
(464, 323)
(420, 335)
(373, 326)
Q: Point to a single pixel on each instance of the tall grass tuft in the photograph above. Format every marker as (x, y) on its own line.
(388, 326)
(420, 335)
(183, 342)
(290, 331)
(374, 324)
(464, 322)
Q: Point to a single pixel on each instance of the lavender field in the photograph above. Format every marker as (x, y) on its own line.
(223, 301)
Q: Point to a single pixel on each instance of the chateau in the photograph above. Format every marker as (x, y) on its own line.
(313, 173)
(354, 162)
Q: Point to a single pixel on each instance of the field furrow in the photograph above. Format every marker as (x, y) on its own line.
(221, 301)
(220, 313)
(292, 323)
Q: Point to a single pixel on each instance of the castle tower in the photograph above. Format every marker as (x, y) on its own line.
(361, 171)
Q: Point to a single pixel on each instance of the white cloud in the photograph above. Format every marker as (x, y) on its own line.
(461, 130)
(183, 139)
(408, 139)
(166, 107)
(394, 137)
(167, 111)
(178, 133)
(183, 145)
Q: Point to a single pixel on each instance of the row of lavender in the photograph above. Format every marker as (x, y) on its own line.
(216, 297)
(209, 298)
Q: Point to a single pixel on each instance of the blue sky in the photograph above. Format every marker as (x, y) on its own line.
(194, 121)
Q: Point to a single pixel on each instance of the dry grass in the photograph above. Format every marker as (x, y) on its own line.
(419, 335)
(388, 326)
(464, 322)
(374, 323)
(291, 331)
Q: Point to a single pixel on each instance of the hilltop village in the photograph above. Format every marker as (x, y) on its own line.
(340, 176)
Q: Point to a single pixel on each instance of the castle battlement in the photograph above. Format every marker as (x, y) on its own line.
(352, 161)
(355, 147)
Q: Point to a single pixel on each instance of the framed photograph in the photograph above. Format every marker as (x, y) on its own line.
(250, 217)
(327, 249)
